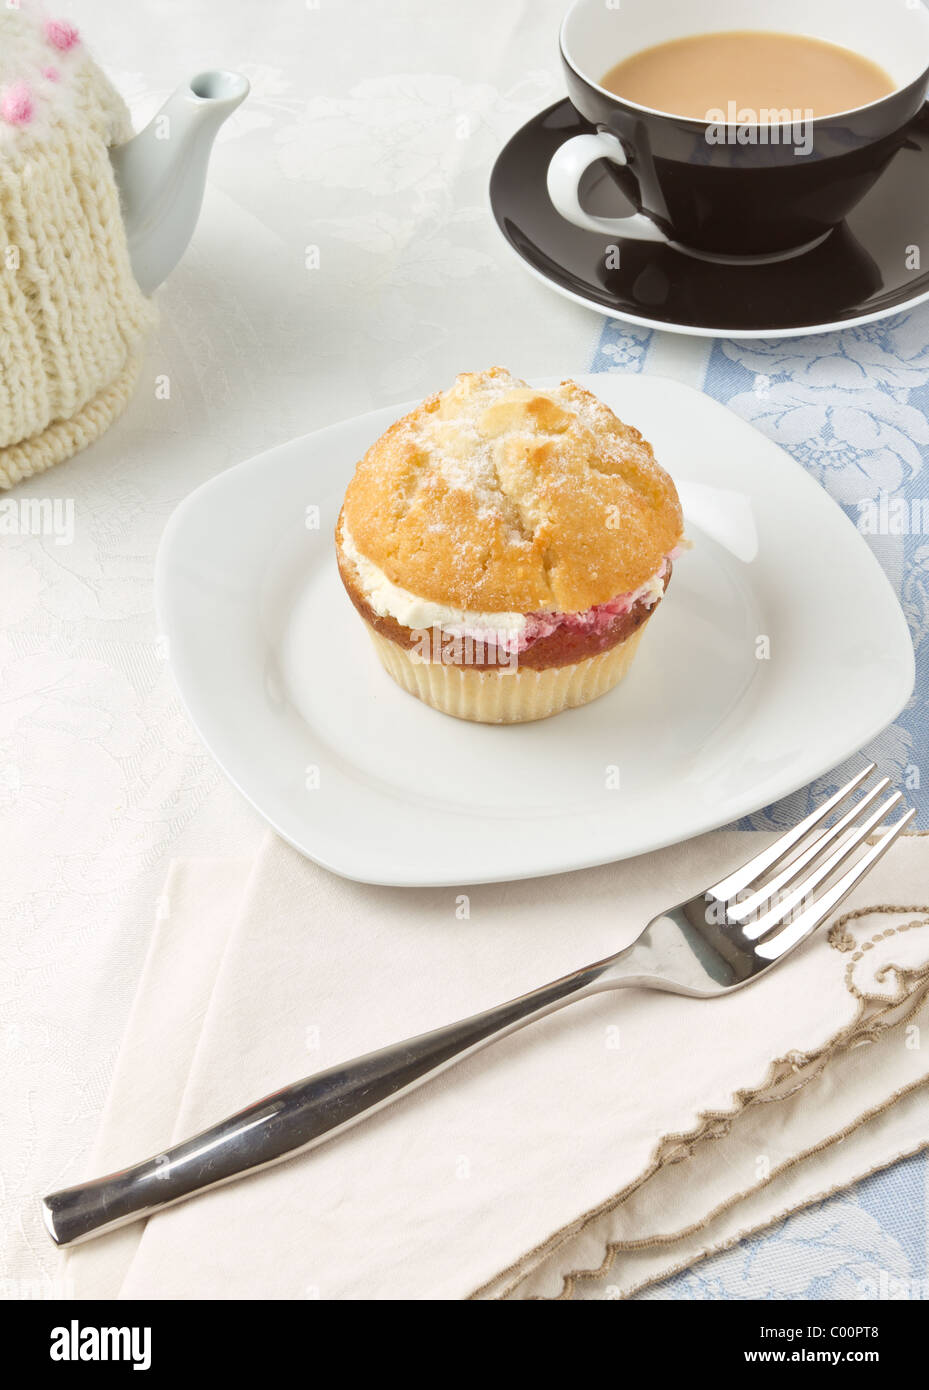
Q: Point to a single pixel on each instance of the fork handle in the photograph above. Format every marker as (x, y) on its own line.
(296, 1118)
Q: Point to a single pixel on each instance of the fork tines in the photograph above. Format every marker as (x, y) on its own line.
(784, 878)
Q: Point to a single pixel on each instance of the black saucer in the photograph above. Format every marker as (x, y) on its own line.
(858, 274)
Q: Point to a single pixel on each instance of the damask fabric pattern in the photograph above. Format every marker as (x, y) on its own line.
(345, 259)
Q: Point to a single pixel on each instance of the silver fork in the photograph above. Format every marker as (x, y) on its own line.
(717, 942)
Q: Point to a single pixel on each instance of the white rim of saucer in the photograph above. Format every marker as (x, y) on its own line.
(737, 334)
(691, 331)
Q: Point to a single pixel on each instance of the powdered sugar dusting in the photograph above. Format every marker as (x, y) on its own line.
(497, 495)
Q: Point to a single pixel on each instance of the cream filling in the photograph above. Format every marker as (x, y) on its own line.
(389, 600)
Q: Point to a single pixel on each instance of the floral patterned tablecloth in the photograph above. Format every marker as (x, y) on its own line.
(853, 409)
(345, 258)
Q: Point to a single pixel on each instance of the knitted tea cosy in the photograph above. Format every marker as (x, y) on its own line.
(71, 315)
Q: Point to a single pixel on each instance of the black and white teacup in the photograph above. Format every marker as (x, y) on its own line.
(736, 188)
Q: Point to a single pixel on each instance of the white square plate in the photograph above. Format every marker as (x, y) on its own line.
(779, 650)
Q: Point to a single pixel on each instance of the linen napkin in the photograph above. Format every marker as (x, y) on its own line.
(592, 1153)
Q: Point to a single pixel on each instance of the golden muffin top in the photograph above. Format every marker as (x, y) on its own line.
(496, 497)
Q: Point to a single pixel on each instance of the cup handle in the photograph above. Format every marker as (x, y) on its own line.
(567, 167)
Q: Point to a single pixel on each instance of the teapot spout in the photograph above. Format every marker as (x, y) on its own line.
(161, 172)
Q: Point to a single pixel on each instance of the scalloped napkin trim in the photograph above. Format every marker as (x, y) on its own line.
(632, 1242)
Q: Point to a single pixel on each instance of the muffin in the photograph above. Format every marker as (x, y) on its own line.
(506, 547)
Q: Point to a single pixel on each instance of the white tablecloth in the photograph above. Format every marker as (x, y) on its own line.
(345, 258)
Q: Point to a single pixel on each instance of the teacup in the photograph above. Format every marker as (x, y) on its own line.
(734, 190)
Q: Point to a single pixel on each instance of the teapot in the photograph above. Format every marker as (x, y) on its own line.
(92, 219)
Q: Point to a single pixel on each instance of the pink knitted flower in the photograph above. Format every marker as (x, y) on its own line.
(16, 104)
(61, 34)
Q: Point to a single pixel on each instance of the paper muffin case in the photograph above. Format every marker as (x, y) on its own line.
(504, 696)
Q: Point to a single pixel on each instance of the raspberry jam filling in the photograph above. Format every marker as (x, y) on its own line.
(598, 619)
